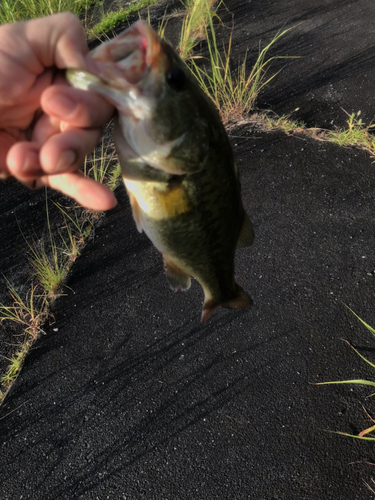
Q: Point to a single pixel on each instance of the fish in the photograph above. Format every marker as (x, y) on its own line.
(176, 161)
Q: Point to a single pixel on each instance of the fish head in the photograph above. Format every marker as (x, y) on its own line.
(163, 115)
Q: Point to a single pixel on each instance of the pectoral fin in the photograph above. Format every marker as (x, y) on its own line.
(136, 211)
(247, 233)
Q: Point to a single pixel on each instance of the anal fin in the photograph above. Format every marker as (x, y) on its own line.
(247, 233)
(177, 278)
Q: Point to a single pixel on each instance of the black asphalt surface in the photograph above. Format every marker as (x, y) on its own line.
(128, 396)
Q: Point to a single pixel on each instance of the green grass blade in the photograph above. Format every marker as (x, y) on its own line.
(369, 328)
(359, 354)
(364, 438)
(355, 381)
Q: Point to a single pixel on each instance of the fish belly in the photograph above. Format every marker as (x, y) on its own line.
(174, 226)
(154, 203)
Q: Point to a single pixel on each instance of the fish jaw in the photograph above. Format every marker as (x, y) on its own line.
(128, 100)
(126, 68)
(129, 73)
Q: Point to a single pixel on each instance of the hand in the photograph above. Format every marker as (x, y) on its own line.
(46, 126)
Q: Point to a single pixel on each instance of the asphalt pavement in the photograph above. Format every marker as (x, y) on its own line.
(128, 396)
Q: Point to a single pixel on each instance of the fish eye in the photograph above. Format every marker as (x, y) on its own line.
(176, 78)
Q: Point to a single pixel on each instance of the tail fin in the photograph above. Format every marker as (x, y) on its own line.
(240, 301)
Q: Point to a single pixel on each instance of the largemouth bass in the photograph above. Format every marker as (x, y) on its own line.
(176, 161)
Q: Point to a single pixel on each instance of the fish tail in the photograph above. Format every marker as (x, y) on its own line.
(240, 301)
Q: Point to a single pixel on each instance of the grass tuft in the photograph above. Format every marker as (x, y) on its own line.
(103, 167)
(22, 10)
(193, 29)
(29, 313)
(357, 133)
(78, 225)
(15, 364)
(49, 265)
(285, 123)
(235, 95)
(97, 165)
(49, 268)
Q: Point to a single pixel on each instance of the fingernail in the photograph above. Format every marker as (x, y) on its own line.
(4, 176)
(66, 160)
(31, 164)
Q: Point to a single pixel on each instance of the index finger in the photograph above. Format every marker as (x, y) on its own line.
(57, 40)
(76, 107)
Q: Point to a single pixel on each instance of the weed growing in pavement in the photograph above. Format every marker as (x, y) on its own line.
(103, 167)
(193, 29)
(52, 259)
(98, 166)
(30, 312)
(236, 95)
(15, 365)
(49, 265)
(366, 434)
(357, 133)
(78, 225)
(284, 122)
(49, 268)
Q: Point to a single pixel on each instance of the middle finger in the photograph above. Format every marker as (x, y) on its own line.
(66, 151)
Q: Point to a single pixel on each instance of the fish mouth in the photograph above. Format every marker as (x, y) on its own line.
(128, 72)
(123, 63)
(129, 57)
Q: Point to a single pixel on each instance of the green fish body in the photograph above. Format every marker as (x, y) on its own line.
(176, 161)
